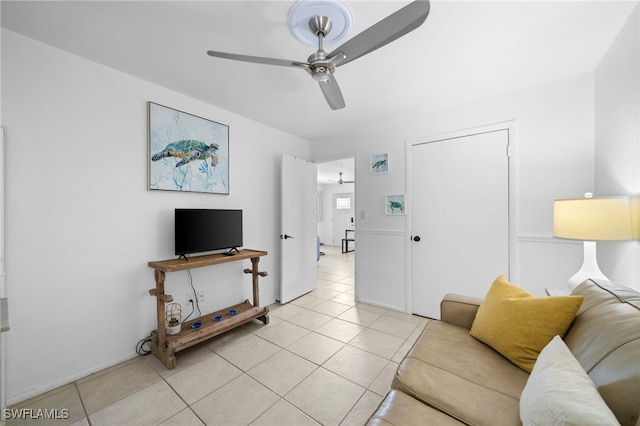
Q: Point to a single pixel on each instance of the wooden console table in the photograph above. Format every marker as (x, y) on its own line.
(165, 346)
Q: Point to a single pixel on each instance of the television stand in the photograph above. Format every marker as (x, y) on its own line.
(165, 346)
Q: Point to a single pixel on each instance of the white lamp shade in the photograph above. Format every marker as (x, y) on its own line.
(597, 219)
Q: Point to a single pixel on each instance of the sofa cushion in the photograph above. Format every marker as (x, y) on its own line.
(518, 324)
(559, 392)
(605, 339)
(398, 408)
(461, 376)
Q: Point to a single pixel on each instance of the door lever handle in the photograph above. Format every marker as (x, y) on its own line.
(286, 237)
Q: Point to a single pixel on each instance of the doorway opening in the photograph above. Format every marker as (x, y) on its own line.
(336, 219)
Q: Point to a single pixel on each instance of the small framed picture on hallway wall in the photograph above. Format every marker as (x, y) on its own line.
(379, 164)
(395, 205)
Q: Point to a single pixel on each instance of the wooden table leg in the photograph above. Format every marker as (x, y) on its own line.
(256, 290)
(254, 276)
(161, 337)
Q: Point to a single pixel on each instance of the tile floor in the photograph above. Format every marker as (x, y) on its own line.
(323, 359)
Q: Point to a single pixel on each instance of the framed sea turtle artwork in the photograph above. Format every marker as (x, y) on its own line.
(395, 205)
(379, 164)
(186, 153)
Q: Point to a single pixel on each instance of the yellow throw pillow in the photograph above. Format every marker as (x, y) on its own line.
(519, 325)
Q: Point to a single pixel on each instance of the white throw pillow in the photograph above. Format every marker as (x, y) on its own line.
(559, 392)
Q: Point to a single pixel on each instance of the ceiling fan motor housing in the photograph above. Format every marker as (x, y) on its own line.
(320, 66)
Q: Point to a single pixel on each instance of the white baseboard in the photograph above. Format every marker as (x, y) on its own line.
(382, 305)
(32, 393)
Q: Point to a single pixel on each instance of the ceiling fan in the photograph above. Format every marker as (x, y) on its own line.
(341, 181)
(321, 65)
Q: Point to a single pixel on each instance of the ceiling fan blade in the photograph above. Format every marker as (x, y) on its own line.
(389, 29)
(258, 59)
(332, 93)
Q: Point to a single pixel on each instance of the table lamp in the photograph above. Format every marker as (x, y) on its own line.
(592, 219)
(173, 318)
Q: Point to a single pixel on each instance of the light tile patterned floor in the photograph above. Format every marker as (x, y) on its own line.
(323, 359)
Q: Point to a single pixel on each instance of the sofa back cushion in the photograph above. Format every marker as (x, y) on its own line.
(605, 339)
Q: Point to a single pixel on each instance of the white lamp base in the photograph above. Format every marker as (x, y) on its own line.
(589, 267)
(171, 330)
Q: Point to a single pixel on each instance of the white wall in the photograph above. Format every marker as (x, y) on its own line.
(617, 136)
(81, 225)
(554, 158)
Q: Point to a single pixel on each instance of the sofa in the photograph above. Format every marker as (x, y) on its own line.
(450, 377)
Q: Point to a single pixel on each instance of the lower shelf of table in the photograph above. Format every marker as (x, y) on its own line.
(190, 336)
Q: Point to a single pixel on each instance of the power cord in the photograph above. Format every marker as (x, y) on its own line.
(193, 309)
(144, 346)
(195, 296)
(195, 293)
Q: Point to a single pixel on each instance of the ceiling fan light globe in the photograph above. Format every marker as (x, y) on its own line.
(322, 74)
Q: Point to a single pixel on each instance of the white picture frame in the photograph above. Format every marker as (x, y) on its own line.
(379, 164)
(395, 205)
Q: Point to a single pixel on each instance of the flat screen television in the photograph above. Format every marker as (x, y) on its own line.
(200, 230)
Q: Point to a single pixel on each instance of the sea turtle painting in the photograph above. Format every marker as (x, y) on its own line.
(188, 150)
(379, 165)
(396, 207)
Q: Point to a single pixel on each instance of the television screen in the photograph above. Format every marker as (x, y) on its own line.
(199, 230)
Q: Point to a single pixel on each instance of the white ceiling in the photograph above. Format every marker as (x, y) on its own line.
(329, 172)
(464, 51)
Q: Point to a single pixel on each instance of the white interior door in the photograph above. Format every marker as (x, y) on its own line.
(343, 218)
(460, 215)
(298, 228)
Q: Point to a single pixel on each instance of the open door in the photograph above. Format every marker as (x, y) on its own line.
(298, 238)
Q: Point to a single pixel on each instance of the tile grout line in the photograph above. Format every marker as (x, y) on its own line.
(84, 409)
(188, 406)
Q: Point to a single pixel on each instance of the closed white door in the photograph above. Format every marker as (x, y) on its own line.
(459, 217)
(298, 228)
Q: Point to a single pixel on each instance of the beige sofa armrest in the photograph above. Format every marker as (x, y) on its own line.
(459, 310)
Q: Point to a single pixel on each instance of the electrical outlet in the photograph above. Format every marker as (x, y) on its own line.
(190, 296)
